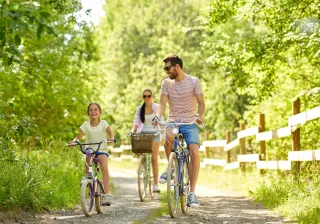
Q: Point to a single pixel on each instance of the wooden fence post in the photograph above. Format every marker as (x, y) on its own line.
(262, 153)
(296, 135)
(227, 141)
(243, 147)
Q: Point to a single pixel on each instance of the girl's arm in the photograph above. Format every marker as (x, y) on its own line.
(78, 137)
(110, 133)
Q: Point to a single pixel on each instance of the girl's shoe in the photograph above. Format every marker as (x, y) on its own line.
(106, 200)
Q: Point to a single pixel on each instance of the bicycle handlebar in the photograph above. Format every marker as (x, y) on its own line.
(90, 150)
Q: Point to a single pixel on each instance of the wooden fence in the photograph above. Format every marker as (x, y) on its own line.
(295, 156)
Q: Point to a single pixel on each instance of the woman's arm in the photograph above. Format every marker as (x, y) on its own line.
(137, 122)
(134, 128)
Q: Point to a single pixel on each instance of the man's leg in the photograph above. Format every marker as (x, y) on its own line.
(168, 142)
(168, 145)
(194, 166)
(191, 135)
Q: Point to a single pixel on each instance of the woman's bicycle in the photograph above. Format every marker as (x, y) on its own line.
(178, 165)
(142, 144)
(92, 191)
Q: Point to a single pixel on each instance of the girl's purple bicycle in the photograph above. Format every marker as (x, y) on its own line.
(92, 191)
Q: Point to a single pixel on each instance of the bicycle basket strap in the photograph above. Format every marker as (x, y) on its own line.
(142, 143)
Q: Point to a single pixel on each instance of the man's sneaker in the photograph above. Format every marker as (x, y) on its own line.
(156, 188)
(163, 178)
(106, 200)
(193, 201)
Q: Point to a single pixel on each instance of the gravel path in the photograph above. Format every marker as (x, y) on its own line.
(216, 208)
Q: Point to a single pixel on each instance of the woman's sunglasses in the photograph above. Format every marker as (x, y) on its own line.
(147, 96)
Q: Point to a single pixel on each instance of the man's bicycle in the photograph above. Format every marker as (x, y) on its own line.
(178, 167)
(92, 191)
(142, 144)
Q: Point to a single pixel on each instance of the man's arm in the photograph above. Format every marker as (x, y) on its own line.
(201, 107)
(162, 105)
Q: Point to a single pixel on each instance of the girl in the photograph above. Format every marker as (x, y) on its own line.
(142, 124)
(95, 131)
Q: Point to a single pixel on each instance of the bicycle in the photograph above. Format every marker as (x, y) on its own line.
(91, 191)
(142, 144)
(178, 165)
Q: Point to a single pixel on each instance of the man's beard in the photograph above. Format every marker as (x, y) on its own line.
(173, 75)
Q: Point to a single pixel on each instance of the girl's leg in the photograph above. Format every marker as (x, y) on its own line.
(86, 165)
(155, 161)
(103, 161)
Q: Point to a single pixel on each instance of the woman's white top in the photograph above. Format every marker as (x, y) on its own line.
(147, 125)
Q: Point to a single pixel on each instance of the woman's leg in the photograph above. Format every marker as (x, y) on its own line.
(155, 161)
(103, 161)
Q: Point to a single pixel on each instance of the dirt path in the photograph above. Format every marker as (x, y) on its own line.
(216, 208)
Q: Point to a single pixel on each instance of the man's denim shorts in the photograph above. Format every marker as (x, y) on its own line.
(156, 137)
(190, 133)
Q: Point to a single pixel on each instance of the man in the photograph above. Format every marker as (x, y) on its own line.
(183, 93)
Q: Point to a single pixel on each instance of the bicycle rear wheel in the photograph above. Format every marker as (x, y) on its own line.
(99, 199)
(173, 186)
(142, 179)
(87, 197)
(185, 188)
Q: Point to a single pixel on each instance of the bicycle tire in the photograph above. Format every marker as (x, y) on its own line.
(99, 199)
(185, 180)
(87, 197)
(173, 186)
(142, 186)
(150, 179)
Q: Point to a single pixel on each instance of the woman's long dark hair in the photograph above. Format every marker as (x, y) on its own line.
(143, 107)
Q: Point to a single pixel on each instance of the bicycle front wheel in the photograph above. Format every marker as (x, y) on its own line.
(185, 185)
(87, 197)
(173, 186)
(99, 199)
(142, 179)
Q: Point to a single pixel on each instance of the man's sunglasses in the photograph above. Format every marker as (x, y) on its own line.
(167, 68)
(147, 96)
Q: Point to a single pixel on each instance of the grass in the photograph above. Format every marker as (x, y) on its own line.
(40, 179)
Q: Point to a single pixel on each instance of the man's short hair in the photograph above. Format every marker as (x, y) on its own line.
(174, 59)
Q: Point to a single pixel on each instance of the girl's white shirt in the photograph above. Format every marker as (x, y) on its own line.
(95, 134)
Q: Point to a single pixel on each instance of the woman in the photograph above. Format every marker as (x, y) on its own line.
(142, 124)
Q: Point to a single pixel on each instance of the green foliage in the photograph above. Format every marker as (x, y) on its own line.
(40, 179)
(46, 80)
(45, 64)
(283, 194)
(264, 49)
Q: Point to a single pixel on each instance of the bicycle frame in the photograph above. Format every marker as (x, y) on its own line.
(182, 155)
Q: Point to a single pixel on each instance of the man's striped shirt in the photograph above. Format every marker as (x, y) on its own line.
(182, 97)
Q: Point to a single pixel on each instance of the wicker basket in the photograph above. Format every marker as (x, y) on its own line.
(142, 143)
